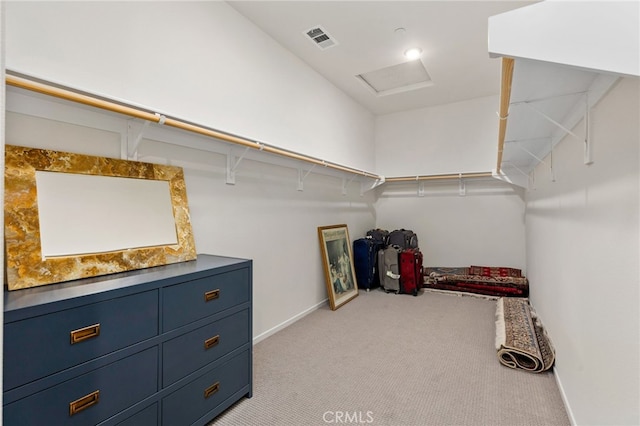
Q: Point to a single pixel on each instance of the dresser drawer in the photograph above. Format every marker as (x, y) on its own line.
(193, 300)
(92, 397)
(202, 346)
(192, 401)
(146, 417)
(39, 346)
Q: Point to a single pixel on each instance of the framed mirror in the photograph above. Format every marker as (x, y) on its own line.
(71, 216)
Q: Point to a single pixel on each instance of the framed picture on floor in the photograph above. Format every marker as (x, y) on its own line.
(338, 264)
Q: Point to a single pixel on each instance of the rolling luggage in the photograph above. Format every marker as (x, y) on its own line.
(404, 238)
(389, 268)
(365, 256)
(379, 235)
(410, 271)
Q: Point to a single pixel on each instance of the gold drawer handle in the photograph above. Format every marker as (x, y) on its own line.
(212, 389)
(82, 334)
(83, 403)
(212, 341)
(211, 295)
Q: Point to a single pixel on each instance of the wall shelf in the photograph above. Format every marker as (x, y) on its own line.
(540, 104)
(134, 124)
(143, 123)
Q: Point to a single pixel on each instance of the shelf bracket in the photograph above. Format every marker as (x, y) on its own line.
(232, 165)
(133, 140)
(364, 188)
(540, 160)
(551, 170)
(346, 183)
(587, 148)
(421, 189)
(523, 173)
(462, 188)
(588, 152)
(302, 176)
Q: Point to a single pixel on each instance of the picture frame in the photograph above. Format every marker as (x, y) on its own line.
(337, 260)
(27, 265)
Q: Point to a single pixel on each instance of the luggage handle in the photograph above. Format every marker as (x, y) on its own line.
(392, 275)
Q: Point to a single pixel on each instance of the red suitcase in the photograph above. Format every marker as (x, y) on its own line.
(410, 271)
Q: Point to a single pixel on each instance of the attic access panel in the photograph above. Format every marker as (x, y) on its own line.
(399, 78)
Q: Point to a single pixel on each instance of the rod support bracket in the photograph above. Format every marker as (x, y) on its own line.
(161, 118)
(302, 176)
(588, 150)
(231, 172)
(134, 138)
(232, 165)
(588, 155)
(380, 181)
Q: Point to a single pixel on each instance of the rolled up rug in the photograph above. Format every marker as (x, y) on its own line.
(521, 341)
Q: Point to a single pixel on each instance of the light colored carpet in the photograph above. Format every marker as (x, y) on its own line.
(386, 359)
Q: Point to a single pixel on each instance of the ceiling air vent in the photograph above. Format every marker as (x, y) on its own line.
(320, 37)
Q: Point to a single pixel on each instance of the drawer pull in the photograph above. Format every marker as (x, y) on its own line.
(82, 334)
(212, 341)
(211, 295)
(212, 389)
(83, 403)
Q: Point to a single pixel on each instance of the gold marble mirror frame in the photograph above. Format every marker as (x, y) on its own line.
(24, 263)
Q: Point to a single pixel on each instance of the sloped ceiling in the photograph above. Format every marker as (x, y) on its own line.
(452, 35)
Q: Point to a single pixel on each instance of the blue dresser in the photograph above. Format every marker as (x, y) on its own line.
(169, 345)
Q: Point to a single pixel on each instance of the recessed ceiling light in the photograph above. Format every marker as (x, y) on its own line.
(413, 53)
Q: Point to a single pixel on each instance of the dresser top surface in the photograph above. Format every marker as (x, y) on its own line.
(26, 298)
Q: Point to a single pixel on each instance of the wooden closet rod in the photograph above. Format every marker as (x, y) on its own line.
(70, 95)
(505, 99)
(440, 177)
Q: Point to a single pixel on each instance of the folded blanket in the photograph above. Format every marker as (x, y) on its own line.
(495, 271)
(496, 286)
(521, 341)
(445, 270)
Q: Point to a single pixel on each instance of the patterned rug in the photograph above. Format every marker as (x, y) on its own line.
(521, 341)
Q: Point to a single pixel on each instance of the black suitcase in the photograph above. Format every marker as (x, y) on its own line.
(403, 238)
(379, 235)
(365, 260)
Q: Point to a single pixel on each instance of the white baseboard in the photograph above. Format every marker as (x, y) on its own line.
(288, 322)
(567, 407)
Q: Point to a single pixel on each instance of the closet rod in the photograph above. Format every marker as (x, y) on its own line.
(505, 99)
(440, 177)
(70, 95)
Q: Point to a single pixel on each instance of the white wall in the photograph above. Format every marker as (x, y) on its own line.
(453, 138)
(483, 227)
(205, 63)
(262, 217)
(582, 238)
(597, 35)
(199, 61)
